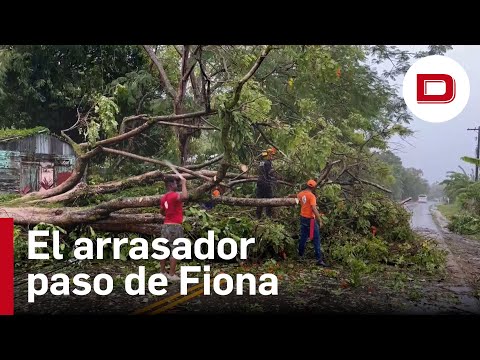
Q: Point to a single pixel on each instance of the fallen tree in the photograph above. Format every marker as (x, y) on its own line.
(201, 93)
(189, 88)
(114, 215)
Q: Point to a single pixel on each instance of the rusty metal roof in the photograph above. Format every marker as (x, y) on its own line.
(40, 142)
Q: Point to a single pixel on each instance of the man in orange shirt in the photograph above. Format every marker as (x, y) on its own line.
(309, 228)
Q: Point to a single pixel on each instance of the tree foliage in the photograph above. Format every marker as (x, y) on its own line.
(325, 108)
(455, 184)
(404, 182)
(45, 84)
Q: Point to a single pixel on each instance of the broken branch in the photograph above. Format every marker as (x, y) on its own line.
(153, 161)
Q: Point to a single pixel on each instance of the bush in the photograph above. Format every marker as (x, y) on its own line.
(464, 224)
(20, 245)
(271, 236)
(429, 257)
(358, 215)
(365, 255)
(369, 250)
(469, 199)
(360, 256)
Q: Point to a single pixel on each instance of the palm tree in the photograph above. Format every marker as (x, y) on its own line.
(471, 160)
(455, 184)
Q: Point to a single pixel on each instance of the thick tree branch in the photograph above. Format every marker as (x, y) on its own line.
(209, 123)
(234, 201)
(326, 171)
(103, 213)
(228, 175)
(206, 91)
(205, 164)
(149, 123)
(83, 189)
(129, 119)
(197, 96)
(254, 179)
(153, 161)
(198, 88)
(267, 140)
(187, 125)
(182, 84)
(163, 75)
(74, 179)
(369, 183)
(189, 67)
(238, 88)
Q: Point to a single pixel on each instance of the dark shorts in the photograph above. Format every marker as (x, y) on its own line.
(172, 232)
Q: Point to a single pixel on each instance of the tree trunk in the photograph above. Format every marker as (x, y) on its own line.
(70, 183)
(83, 189)
(142, 229)
(255, 202)
(107, 213)
(66, 217)
(183, 139)
(148, 224)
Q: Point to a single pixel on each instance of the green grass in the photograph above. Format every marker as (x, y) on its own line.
(6, 198)
(448, 210)
(451, 209)
(474, 236)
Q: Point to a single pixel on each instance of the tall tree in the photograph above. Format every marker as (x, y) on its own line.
(325, 108)
(46, 85)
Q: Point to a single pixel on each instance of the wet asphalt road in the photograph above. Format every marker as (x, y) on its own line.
(421, 216)
(459, 256)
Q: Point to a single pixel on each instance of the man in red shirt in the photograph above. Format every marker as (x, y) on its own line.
(309, 228)
(171, 206)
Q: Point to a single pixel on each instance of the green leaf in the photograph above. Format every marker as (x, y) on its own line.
(471, 160)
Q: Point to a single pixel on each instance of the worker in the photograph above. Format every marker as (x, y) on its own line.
(310, 221)
(209, 204)
(171, 206)
(266, 180)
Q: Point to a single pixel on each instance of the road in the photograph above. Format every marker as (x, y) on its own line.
(463, 254)
(421, 217)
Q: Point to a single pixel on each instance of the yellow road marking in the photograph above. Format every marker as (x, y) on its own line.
(177, 302)
(172, 301)
(163, 301)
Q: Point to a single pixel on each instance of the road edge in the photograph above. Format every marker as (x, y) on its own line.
(455, 270)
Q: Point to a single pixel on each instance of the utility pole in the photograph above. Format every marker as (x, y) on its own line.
(478, 150)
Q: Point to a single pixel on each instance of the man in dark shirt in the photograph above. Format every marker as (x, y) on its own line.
(266, 180)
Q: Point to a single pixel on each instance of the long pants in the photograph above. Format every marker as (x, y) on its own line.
(264, 191)
(304, 236)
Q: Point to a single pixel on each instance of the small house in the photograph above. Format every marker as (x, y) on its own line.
(32, 160)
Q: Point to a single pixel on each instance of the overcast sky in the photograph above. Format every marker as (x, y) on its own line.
(437, 147)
